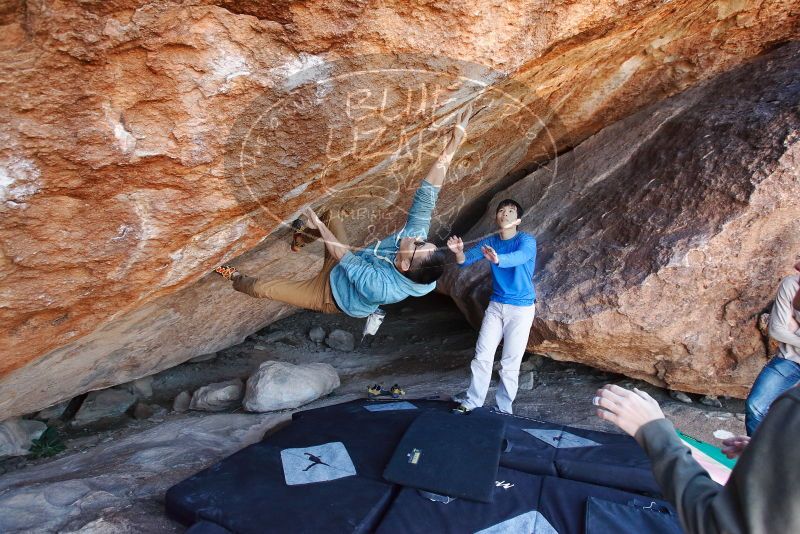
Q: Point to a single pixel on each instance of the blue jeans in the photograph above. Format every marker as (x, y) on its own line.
(776, 377)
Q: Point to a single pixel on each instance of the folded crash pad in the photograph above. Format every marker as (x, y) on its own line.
(454, 455)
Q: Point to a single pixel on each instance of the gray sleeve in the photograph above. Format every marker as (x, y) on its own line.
(682, 480)
(782, 326)
(762, 492)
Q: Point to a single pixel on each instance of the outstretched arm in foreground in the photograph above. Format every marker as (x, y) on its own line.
(762, 492)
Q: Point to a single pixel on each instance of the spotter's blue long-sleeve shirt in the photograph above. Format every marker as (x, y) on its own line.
(512, 278)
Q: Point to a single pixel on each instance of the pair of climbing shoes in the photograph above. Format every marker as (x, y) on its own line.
(376, 392)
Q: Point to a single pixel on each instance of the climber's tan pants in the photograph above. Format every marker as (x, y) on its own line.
(312, 294)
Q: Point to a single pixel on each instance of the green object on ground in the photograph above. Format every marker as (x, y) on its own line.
(47, 445)
(708, 449)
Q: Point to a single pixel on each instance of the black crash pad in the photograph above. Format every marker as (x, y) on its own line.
(274, 486)
(455, 455)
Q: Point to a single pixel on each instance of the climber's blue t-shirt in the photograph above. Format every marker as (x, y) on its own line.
(364, 280)
(512, 278)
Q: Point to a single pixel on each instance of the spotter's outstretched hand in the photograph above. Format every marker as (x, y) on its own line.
(490, 254)
(733, 447)
(455, 244)
(629, 410)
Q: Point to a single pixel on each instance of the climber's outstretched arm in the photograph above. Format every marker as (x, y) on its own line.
(438, 171)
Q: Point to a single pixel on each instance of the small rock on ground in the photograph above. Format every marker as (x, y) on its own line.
(341, 340)
(317, 334)
(723, 434)
(142, 387)
(181, 402)
(142, 411)
(104, 406)
(711, 400)
(218, 397)
(680, 396)
(272, 337)
(526, 381)
(534, 362)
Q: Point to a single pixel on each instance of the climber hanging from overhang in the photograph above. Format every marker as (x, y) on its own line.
(356, 283)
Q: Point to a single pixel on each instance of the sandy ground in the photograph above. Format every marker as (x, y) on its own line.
(424, 344)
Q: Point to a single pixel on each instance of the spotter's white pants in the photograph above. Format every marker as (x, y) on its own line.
(511, 324)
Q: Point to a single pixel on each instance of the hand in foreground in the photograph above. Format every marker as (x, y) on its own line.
(629, 410)
(312, 221)
(455, 244)
(733, 447)
(490, 254)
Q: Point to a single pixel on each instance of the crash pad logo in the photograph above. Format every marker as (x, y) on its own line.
(414, 456)
(319, 463)
(560, 439)
(361, 133)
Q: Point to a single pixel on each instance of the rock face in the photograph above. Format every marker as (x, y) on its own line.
(281, 385)
(126, 477)
(145, 143)
(680, 222)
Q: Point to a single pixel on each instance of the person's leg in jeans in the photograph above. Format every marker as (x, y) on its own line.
(312, 294)
(488, 340)
(776, 377)
(516, 329)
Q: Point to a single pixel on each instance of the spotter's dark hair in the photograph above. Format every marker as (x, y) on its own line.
(509, 202)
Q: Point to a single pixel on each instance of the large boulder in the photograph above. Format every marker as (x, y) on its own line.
(281, 385)
(145, 143)
(662, 238)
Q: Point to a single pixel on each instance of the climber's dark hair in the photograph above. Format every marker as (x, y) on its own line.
(429, 269)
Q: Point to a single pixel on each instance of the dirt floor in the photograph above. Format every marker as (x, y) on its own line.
(424, 344)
